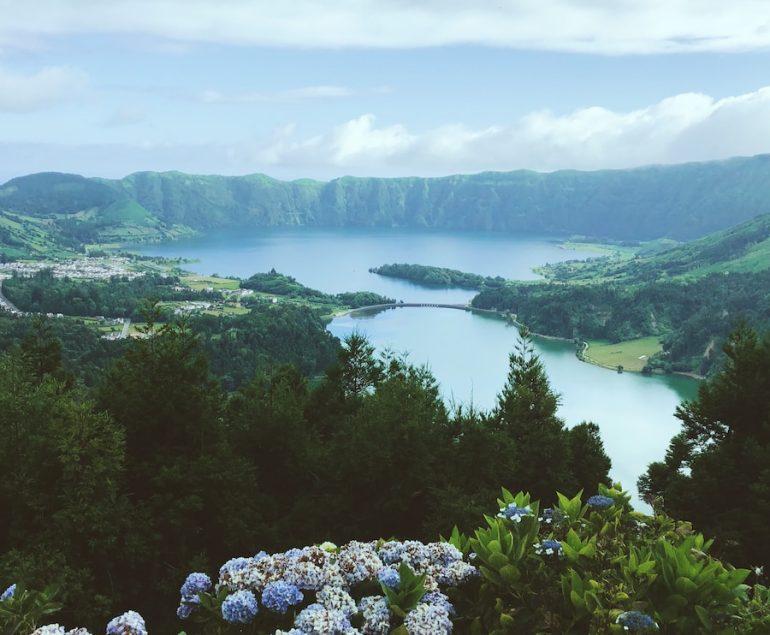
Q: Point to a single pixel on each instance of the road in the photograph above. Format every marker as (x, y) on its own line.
(6, 304)
(124, 332)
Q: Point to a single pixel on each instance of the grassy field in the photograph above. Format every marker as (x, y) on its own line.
(198, 283)
(631, 354)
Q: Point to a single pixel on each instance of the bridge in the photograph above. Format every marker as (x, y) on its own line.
(437, 305)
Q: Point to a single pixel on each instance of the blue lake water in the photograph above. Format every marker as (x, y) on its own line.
(467, 352)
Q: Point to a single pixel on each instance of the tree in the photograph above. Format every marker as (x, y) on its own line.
(716, 472)
(589, 462)
(193, 492)
(526, 411)
(41, 350)
(360, 369)
(61, 471)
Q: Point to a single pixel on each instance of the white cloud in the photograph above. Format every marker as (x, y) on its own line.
(598, 26)
(685, 127)
(51, 85)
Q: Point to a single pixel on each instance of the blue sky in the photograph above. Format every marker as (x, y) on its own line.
(323, 89)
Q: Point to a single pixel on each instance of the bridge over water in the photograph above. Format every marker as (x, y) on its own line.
(438, 305)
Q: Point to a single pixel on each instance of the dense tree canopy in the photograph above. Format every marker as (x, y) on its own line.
(716, 472)
(171, 473)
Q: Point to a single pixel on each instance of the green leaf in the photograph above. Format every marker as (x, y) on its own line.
(703, 616)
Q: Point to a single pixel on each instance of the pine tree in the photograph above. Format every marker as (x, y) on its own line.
(526, 410)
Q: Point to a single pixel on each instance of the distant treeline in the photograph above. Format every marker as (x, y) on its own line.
(437, 276)
(117, 297)
(280, 284)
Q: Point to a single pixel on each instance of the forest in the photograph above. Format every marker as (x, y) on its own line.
(172, 473)
(145, 456)
(116, 297)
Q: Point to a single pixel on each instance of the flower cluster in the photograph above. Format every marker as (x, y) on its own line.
(636, 621)
(278, 596)
(600, 502)
(428, 619)
(515, 513)
(240, 608)
(193, 586)
(319, 583)
(56, 629)
(549, 548)
(389, 577)
(130, 623)
(549, 516)
(376, 615)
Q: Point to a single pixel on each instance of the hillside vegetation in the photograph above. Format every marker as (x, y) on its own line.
(671, 308)
(679, 201)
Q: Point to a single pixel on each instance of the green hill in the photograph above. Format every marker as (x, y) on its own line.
(678, 201)
(744, 248)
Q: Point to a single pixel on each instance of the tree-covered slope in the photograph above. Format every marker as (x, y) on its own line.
(678, 201)
(744, 248)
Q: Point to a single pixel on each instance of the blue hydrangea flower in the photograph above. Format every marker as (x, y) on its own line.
(194, 584)
(515, 513)
(260, 556)
(374, 609)
(428, 619)
(184, 611)
(8, 593)
(234, 564)
(240, 607)
(130, 623)
(391, 552)
(636, 621)
(279, 596)
(437, 598)
(550, 515)
(317, 619)
(549, 548)
(389, 578)
(602, 502)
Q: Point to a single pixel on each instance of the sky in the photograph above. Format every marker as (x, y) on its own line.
(329, 88)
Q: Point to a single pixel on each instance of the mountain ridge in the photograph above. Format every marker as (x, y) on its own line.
(683, 201)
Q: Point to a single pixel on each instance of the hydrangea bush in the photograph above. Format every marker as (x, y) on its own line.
(371, 588)
(600, 567)
(578, 567)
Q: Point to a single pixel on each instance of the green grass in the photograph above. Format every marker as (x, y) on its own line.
(631, 354)
(198, 283)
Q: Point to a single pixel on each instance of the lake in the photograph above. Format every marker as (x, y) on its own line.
(467, 352)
